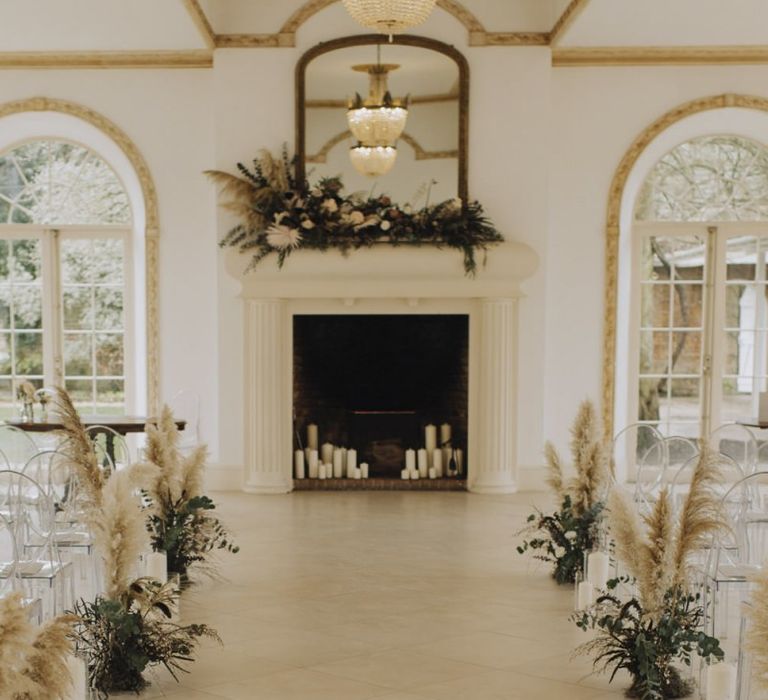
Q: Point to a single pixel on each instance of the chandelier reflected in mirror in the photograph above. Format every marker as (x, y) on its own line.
(389, 16)
(373, 161)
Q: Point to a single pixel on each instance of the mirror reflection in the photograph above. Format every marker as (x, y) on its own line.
(385, 118)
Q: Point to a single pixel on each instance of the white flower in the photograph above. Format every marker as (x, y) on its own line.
(385, 225)
(570, 535)
(559, 552)
(370, 221)
(316, 192)
(356, 217)
(308, 224)
(281, 237)
(407, 209)
(330, 206)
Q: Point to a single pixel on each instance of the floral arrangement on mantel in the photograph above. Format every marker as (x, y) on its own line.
(565, 536)
(281, 215)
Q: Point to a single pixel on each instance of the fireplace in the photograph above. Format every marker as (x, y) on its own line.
(373, 382)
(377, 286)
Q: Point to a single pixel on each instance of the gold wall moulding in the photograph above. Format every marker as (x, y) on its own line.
(151, 232)
(566, 20)
(200, 20)
(612, 227)
(106, 59)
(658, 56)
(420, 154)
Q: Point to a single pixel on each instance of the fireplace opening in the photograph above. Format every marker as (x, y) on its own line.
(377, 384)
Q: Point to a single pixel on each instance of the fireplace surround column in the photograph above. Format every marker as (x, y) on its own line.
(266, 432)
(494, 471)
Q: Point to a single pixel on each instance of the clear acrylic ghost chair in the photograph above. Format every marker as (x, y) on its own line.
(17, 445)
(185, 405)
(651, 467)
(39, 566)
(110, 442)
(737, 442)
(631, 446)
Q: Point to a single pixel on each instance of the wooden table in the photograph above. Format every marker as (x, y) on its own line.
(120, 424)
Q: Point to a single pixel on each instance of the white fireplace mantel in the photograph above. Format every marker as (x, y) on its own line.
(383, 279)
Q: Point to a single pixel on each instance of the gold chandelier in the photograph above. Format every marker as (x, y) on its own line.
(389, 16)
(373, 161)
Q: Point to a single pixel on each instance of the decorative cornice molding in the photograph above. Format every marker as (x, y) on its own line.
(420, 154)
(612, 227)
(566, 20)
(658, 55)
(510, 39)
(200, 21)
(253, 41)
(106, 59)
(149, 194)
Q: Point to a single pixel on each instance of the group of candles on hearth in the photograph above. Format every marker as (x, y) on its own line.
(330, 461)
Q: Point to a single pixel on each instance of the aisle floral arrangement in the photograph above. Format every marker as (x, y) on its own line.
(33, 660)
(280, 215)
(656, 625)
(130, 626)
(565, 536)
(180, 520)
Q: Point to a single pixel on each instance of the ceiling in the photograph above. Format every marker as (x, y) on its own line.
(193, 25)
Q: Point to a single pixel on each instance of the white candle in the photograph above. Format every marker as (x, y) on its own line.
(157, 566)
(584, 595)
(437, 462)
(460, 461)
(326, 453)
(352, 462)
(414, 474)
(432, 473)
(447, 454)
(314, 469)
(364, 470)
(597, 569)
(79, 673)
(321, 471)
(445, 434)
(298, 463)
(430, 438)
(338, 461)
(404, 474)
(357, 473)
(312, 436)
(410, 460)
(721, 682)
(307, 452)
(423, 464)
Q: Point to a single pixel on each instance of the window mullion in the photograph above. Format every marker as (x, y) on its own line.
(54, 364)
(710, 329)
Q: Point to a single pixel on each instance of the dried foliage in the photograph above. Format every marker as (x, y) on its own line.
(33, 660)
(757, 635)
(180, 522)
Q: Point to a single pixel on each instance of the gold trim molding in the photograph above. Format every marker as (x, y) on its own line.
(566, 20)
(200, 20)
(129, 148)
(658, 56)
(105, 59)
(612, 225)
(420, 154)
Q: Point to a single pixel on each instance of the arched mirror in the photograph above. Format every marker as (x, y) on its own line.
(388, 118)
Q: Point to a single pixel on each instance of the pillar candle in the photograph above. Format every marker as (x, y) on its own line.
(584, 595)
(157, 566)
(597, 569)
(338, 461)
(460, 461)
(414, 474)
(446, 460)
(432, 473)
(351, 462)
(326, 453)
(314, 469)
(405, 474)
(79, 673)
(321, 471)
(430, 438)
(445, 434)
(306, 455)
(410, 460)
(423, 463)
(721, 682)
(338, 469)
(312, 436)
(364, 470)
(357, 473)
(344, 458)
(298, 463)
(437, 462)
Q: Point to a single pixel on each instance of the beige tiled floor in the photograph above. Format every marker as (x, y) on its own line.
(397, 596)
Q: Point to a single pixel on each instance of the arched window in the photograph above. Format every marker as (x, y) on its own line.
(701, 252)
(65, 281)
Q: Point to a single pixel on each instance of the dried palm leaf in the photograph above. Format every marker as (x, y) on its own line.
(162, 450)
(245, 199)
(192, 470)
(657, 554)
(627, 531)
(757, 635)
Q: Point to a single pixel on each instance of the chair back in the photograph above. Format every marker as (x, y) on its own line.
(17, 445)
(632, 446)
(106, 440)
(737, 442)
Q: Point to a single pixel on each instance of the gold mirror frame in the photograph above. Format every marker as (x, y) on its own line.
(373, 39)
(613, 222)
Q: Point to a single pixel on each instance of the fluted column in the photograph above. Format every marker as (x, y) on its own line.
(267, 446)
(496, 470)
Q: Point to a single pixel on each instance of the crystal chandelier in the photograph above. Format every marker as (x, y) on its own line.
(389, 16)
(373, 161)
(378, 120)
